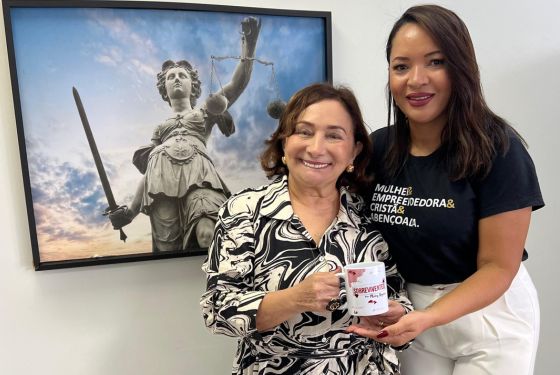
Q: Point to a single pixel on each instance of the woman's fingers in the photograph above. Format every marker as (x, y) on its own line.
(318, 290)
(395, 312)
(400, 333)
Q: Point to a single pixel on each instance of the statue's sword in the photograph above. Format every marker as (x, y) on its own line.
(97, 159)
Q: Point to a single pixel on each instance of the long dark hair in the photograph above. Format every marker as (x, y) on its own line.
(473, 134)
(271, 158)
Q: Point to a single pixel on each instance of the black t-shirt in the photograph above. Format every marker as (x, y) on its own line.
(431, 222)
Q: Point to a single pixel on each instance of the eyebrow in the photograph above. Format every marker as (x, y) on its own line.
(329, 127)
(437, 52)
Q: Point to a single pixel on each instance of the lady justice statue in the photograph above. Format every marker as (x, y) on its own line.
(181, 190)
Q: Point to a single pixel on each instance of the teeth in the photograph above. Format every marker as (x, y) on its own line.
(314, 165)
(420, 97)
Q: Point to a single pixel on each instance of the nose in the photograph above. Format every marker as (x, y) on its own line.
(418, 77)
(316, 145)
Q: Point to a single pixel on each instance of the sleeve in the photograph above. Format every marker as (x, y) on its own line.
(230, 304)
(511, 184)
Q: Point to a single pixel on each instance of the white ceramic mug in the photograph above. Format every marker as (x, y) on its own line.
(366, 288)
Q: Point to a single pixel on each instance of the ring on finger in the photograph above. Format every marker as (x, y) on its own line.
(381, 323)
(333, 304)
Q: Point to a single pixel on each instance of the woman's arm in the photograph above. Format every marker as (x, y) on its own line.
(230, 303)
(501, 242)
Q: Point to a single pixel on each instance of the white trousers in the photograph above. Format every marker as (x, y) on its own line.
(500, 339)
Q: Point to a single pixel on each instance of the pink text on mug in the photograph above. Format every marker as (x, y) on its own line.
(366, 288)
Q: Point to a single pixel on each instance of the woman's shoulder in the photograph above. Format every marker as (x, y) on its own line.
(249, 194)
(381, 139)
(515, 140)
(514, 151)
(381, 134)
(351, 200)
(381, 131)
(511, 182)
(249, 199)
(353, 204)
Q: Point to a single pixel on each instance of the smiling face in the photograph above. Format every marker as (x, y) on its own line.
(178, 83)
(322, 145)
(418, 78)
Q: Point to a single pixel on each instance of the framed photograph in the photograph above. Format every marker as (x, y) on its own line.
(137, 120)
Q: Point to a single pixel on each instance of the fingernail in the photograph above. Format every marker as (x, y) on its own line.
(382, 334)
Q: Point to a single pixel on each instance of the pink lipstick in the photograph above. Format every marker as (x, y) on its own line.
(419, 99)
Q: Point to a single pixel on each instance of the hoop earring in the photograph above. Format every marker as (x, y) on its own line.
(284, 160)
(350, 168)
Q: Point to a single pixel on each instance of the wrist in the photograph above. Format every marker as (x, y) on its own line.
(293, 299)
(432, 317)
(405, 310)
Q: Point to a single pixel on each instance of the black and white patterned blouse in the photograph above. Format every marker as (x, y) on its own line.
(260, 245)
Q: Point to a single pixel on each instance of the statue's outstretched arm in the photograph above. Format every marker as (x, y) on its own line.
(250, 28)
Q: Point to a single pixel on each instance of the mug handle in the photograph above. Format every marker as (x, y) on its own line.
(342, 275)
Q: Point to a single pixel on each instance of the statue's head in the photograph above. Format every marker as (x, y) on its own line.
(177, 69)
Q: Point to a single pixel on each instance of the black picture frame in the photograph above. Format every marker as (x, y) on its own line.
(107, 50)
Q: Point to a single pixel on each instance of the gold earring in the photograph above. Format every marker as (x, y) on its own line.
(284, 160)
(350, 168)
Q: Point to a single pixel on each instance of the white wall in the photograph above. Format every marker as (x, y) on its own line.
(143, 318)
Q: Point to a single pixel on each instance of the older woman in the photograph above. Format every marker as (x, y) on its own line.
(276, 251)
(182, 190)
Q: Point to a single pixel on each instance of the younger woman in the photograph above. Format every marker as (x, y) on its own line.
(453, 194)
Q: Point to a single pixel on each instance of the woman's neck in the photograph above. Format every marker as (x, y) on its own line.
(312, 196)
(425, 138)
(316, 208)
